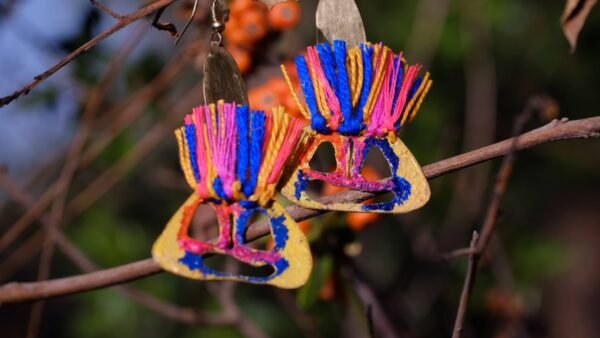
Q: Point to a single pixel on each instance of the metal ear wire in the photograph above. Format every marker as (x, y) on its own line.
(189, 22)
(218, 26)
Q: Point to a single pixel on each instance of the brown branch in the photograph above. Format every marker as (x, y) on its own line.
(106, 9)
(85, 264)
(125, 116)
(556, 130)
(67, 175)
(467, 289)
(123, 22)
(540, 104)
(112, 175)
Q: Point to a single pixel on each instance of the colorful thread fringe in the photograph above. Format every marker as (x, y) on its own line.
(233, 159)
(229, 153)
(367, 90)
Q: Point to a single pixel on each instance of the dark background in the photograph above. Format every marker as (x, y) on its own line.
(539, 277)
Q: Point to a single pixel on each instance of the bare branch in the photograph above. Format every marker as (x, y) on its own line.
(467, 288)
(556, 130)
(539, 104)
(106, 9)
(123, 22)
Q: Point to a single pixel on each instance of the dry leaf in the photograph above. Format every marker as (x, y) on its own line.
(340, 20)
(272, 3)
(573, 19)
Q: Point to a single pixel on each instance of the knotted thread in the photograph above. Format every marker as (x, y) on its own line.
(230, 153)
(367, 90)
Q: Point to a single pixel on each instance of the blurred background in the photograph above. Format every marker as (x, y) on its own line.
(106, 120)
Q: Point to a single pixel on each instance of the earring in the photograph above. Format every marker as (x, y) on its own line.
(358, 99)
(233, 157)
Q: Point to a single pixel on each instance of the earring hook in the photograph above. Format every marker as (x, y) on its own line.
(217, 25)
(189, 22)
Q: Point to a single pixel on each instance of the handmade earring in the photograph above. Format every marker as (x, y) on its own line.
(233, 159)
(358, 99)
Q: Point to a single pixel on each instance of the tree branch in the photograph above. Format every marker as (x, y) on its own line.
(467, 288)
(556, 130)
(123, 22)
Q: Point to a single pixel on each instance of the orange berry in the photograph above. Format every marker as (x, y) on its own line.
(278, 85)
(242, 57)
(238, 36)
(255, 25)
(262, 98)
(358, 220)
(285, 15)
(239, 6)
(291, 107)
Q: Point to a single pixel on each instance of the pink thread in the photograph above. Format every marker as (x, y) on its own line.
(406, 86)
(289, 143)
(201, 157)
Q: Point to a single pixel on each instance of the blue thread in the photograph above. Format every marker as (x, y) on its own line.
(192, 261)
(242, 224)
(190, 135)
(385, 148)
(414, 88)
(243, 149)
(280, 266)
(326, 56)
(280, 232)
(300, 184)
(367, 56)
(256, 140)
(349, 126)
(401, 187)
(218, 186)
(399, 81)
(318, 122)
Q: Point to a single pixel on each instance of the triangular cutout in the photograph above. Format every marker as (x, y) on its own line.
(323, 159)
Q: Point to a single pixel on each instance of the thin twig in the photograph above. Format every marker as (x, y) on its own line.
(535, 104)
(479, 244)
(85, 264)
(125, 116)
(59, 194)
(106, 9)
(556, 130)
(123, 22)
(112, 175)
(467, 288)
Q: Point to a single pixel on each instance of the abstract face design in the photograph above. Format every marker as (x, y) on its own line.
(407, 183)
(359, 99)
(233, 159)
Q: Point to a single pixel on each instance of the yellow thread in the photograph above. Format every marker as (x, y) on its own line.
(237, 190)
(320, 93)
(278, 132)
(408, 111)
(418, 105)
(213, 117)
(184, 158)
(378, 81)
(211, 170)
(303, 109)
(392, 137)
(351, 70)
(359, 76)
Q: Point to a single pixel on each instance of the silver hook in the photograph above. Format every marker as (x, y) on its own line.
(218, 26)
(189, 22)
